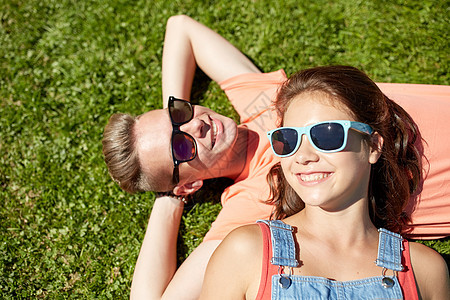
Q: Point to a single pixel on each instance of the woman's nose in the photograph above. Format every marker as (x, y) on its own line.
(306, 152)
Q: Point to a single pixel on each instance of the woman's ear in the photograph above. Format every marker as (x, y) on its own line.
(376, 148)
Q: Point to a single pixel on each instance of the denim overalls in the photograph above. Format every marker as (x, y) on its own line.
(286, 286)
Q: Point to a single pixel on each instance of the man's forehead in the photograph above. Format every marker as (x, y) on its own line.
(154, 114)
(153, 133)
(153, 118)
(153, 129)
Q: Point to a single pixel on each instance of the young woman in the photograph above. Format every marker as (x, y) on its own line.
(350, 160)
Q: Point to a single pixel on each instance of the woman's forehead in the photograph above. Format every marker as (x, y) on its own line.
(310, 108)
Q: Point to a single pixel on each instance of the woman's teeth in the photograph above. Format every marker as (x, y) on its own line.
(314, 177)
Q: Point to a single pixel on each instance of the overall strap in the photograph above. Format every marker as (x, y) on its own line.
(283, 246)
(390, 249)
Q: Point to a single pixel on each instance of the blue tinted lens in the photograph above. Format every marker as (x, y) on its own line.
(183, 147)
(284, 141)
(328, 136)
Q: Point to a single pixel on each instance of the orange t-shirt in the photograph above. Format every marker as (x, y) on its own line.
(252, 96)
(429, 106)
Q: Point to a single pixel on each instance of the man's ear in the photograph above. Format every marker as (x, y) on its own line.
(188, 188)
(377, 147)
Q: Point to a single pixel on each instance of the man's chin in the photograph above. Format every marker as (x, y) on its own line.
(229, 135)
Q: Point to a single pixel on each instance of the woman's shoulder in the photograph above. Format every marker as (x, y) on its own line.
(423, 255)
(430, 271)
(235, 266)
(243, 239)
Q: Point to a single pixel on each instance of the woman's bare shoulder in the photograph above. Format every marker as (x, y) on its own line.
(430, 271)
(424, 256)
(243, 239)
(235, 266)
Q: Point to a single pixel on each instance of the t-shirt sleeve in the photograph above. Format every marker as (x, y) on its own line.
(252, 94)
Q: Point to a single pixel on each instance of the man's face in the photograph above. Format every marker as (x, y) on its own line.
(214, 134)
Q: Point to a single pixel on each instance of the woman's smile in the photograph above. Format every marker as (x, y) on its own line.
(313, 178)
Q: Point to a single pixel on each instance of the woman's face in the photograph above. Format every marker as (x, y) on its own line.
(332, 181)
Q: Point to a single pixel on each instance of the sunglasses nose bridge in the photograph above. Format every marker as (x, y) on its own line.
(305, 141)
(305, 149)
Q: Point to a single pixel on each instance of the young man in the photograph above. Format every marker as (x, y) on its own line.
(139, 155)
(138, 152)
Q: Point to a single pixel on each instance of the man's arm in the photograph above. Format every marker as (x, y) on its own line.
(154, 275)
(156, 263)
(189, 44)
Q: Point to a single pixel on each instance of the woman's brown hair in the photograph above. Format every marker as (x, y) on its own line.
(396, 175)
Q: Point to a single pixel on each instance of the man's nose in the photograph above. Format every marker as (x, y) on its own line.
(195, 127)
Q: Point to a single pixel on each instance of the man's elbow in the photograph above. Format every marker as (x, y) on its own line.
(178, 21)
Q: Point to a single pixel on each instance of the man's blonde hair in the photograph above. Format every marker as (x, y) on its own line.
(122, 158)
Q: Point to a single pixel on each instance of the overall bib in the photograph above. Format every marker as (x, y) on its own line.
(286, 286)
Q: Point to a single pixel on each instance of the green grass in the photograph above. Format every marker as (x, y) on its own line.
(66, 66)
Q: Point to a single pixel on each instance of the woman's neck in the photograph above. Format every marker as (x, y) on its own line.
(352, 223)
